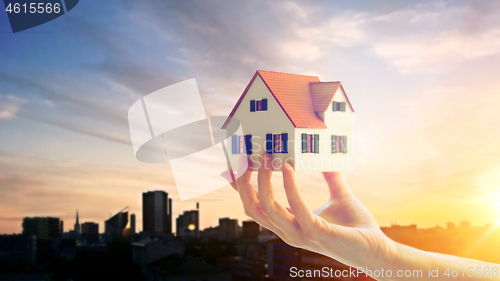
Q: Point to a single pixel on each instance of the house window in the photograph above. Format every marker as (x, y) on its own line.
(258, 105)
(310, 143)
(339, 144)
(339, 106)
(241, 144)
(277, 143)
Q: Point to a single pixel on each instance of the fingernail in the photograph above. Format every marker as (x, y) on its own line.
(224, 175)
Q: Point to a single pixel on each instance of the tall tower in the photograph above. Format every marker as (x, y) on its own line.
(156, 212)
(132, 224)
(77, 224)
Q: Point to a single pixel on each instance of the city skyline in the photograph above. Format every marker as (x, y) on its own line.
(444, 225)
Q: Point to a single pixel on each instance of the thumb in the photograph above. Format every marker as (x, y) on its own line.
(337, 184)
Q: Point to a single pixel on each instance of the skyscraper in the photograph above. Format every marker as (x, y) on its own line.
(115, 226)
(77, 224)
(251, 230)
(156, 212)
(42, 228)
(188, 224)
(90, 232)
(228, 229)
(132, 224)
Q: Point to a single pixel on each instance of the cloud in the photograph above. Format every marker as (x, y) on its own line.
(420, 38)
(301, 50)
(10, 106)
(437, 53)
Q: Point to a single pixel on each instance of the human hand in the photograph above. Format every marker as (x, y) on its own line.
(342, 229)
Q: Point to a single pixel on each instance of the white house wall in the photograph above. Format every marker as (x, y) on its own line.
(338, 123)
(260, 123)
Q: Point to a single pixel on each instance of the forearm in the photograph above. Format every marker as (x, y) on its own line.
(413, 264)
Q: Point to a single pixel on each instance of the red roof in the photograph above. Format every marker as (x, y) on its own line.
(300, 96)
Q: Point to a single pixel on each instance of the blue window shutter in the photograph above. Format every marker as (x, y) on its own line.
(343, 106)
(344, 144)
(316, 143)
(264, 104)
(269, 143)
(274, 143)
(248, 143)
(284, 139)
(333, 144)
(234, 144)
(252, 106)
(304, 143)
(334, 106)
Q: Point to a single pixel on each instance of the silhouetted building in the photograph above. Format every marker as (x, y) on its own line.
(209, 233)
(228, 229)
(178, 267)
(66, 248)
(281, 257)
(90, 232)
(244, 269)
(188, 224)
(156, 212)
(77, 228)
(42, 227)
(18, 247)
(132, 224)
(27, 276)
(115, 226)
(62, 227)
(450, 226)
(403, 233)
(251, 230)
(150, 250)
(465, 225)
(266, 235)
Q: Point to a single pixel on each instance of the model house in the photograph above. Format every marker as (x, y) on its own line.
(295, 118)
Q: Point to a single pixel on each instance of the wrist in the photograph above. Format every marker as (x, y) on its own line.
(387, 254)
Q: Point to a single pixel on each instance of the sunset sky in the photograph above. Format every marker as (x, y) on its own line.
(423, 78)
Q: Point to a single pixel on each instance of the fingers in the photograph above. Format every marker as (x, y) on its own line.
(249, 197)
(229, 176)
(243, 180)
(274, 211)
(336, 184)
(301, 210)
(243, 167)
